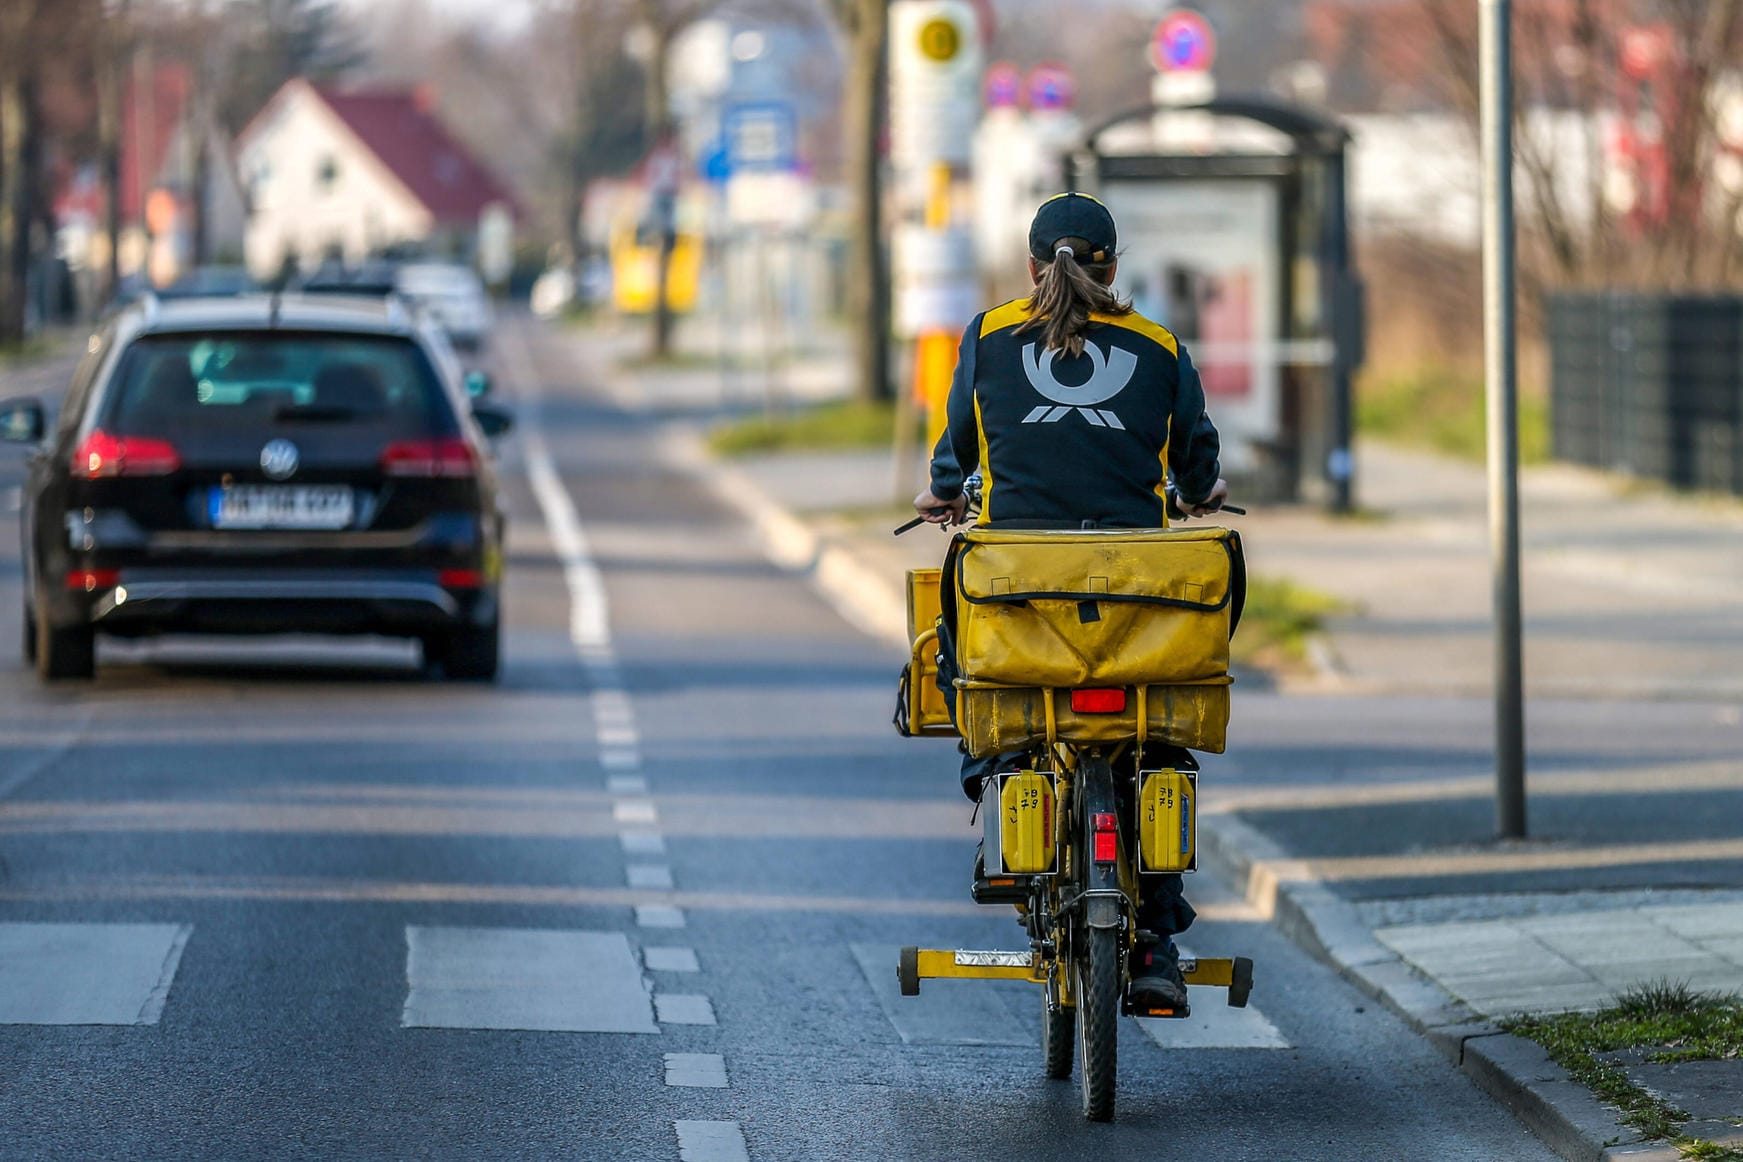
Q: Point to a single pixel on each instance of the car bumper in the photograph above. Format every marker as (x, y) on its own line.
(401, 604)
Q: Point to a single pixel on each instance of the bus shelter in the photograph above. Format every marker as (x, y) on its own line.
(1234, 234)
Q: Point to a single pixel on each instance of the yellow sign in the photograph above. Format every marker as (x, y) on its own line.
(940, 40)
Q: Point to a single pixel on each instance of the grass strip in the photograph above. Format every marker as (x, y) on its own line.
(846, 424)
(1443, 410)
(1281, 617)
(1674, 1023)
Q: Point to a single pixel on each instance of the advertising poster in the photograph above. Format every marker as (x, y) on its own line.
(1201, 258)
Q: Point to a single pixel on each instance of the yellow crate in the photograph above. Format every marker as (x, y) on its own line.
(1167, 820)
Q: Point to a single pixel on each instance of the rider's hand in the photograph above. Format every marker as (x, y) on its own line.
(940, 512)
(1210, 503)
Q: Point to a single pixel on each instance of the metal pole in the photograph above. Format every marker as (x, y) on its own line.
(1500, 336)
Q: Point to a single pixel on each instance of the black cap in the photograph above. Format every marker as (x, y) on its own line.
(1077, 219)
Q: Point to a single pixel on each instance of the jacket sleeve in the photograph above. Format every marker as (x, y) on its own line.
(958, 451)
(1193, 443)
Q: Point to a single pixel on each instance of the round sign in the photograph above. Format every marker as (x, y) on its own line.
(1004, 85)
(1051, 89)
(1183, 43)
(940, 40)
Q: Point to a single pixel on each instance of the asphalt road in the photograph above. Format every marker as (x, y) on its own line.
(292, 899)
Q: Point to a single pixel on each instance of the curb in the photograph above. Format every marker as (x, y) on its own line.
(855, 590)
(1516, 1072)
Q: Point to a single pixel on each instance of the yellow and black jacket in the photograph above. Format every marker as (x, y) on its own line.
(1062, 441)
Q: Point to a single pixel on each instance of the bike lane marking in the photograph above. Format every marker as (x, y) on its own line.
(88, 974)
(711, 1142)
(548, 980)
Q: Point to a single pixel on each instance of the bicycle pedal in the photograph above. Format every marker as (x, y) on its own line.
(1179, 1014)
(1001, 890)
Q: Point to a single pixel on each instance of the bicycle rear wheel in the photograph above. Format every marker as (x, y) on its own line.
(1098, 1017)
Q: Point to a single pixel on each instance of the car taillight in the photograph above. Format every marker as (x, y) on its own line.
(1107, 837)
(460, 579)
(91, 580)
(447, 456)
(1098, 701)
(102, 455)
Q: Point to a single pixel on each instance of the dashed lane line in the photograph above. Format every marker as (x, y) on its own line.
(640, 811)
(653, 876)
(642, 842)
(660, 958)
(711, 1142)
(659, 916)
(627, 785)
(696, 1070)
(683, 1009)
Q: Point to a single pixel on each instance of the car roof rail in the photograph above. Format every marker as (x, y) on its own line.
(149, 306)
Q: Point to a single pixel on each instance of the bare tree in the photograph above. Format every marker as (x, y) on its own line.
(1569, 57)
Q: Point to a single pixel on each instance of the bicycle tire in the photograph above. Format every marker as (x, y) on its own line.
(1098, 1017)
(1058, 1039)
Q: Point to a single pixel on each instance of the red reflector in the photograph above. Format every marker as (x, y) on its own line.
(1098, 701)
(447, 456)
(460, 579)
(91, 580)
(1103, 822)
(101, 455)
(1106, 846)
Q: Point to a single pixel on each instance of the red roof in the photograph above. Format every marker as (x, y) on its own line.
(399, 127)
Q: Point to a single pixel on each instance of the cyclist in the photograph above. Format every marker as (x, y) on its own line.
(1075, 409)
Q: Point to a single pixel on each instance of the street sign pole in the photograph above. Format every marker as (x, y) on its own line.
(1500, 336)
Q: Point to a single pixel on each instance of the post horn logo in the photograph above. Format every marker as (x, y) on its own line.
(1113, 371)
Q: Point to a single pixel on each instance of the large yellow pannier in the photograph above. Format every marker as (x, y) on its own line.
(1041, 613)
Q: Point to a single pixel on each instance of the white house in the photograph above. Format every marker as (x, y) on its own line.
(352, 173)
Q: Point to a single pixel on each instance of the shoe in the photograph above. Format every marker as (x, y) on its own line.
(1156, 981)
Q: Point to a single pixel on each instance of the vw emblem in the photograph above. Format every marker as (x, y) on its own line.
(279, 459)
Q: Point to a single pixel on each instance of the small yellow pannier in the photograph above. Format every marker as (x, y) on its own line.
(920, 708)
(1041, 613)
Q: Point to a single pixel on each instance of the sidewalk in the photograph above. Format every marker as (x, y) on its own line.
(1354, 805)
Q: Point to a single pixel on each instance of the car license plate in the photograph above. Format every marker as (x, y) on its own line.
(266, 506)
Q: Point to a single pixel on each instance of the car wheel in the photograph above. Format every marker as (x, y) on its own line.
(65, 654)
(469, 654)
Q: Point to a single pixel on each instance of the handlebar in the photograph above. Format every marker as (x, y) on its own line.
(971, 488)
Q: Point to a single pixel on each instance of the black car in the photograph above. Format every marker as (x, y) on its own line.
(263, 465)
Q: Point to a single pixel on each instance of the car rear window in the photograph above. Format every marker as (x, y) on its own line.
(167, 384)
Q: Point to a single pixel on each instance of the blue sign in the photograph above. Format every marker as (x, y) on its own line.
(761, 137)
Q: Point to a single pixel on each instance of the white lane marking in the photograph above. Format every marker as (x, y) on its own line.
(627, 785)
(14, 499)
(658, 916)
(524, 978)
(696, 1070)
(711, 1142)
(659, 959)
(654, 876)
(683, 1009)
(88, 974)
(635, 811)
(1213, 1025)
(642, 843)
(947, 1012)
(589, 616)
(612, 734)
(621, 759)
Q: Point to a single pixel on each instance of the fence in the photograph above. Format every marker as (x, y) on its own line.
(1650, 385)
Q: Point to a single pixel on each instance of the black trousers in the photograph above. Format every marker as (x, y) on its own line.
(1162, 906)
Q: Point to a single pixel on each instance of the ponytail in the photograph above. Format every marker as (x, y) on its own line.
(1069, 291)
